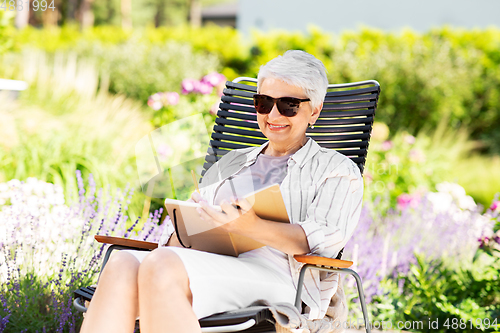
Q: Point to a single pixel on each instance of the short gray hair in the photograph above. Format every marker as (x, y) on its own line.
(300, 69)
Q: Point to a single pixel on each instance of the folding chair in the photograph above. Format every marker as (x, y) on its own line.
(345, 124)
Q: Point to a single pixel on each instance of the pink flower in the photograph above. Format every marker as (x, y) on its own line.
(172, 98)
(495, 205)
(154, 101)
(410, 139)
(204, 88)
(189, 85)
(406, 200)
(386, 145)
(416, 155)
(214, 79)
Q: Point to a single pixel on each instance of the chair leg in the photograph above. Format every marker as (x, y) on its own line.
(361, 297)
(339, 270)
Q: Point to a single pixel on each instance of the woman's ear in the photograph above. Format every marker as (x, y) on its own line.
(315, 113)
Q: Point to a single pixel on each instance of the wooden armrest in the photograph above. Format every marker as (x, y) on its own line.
(126, 242)
(323, 261)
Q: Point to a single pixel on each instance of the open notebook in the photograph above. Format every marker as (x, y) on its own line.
(198, 234)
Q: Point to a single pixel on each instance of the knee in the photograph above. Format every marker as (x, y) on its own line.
(162, 268)
(121, 267)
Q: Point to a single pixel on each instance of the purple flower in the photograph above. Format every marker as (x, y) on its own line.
(495, 205)
(58, 241)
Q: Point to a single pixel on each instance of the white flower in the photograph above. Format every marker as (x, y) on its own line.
(441, 202)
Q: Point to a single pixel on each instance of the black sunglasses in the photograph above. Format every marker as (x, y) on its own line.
(287, 106)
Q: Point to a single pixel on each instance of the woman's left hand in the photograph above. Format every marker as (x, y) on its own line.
(242, 221)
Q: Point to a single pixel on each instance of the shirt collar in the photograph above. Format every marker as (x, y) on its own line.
(300, 157)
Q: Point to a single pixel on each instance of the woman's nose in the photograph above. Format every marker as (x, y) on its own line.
(274, 114)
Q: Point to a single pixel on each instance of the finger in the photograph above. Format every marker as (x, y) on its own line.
(227, 207)
(205, 217)
(243, 203)
(211, 212)
(196, 196)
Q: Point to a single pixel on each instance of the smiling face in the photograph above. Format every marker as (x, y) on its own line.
(286, 134)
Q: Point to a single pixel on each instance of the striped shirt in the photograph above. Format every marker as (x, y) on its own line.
(323, 192)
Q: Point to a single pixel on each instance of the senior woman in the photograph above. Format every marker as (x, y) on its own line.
(172, 287)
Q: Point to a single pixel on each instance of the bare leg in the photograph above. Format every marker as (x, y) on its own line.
(114, 306)
(165, 299)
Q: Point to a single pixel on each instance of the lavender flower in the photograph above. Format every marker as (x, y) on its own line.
(384, 246)
(48, 248)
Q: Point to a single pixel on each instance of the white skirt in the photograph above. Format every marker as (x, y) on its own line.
(222, 283)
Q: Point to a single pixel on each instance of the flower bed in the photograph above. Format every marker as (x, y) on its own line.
(48, 250)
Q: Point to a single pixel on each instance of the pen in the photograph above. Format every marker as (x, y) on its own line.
(195, 182)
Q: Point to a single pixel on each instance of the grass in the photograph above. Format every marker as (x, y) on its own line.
(63, 123)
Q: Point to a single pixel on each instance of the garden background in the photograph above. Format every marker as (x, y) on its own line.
(427, 244)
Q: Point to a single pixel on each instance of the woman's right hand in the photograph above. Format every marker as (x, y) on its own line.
(195, 197)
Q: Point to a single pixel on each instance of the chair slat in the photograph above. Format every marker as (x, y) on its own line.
(345, 129)
(350, 98)
(232, 92)
(232, 130)
(238, 139)
(347, 137)
(230, 145)
(350, 106)
(344, 114)
(359, 91)
(225, 106)
(345, 123)
(239, 100)
(241, 86)
(220, 152)
(222, 121)
(237, 115)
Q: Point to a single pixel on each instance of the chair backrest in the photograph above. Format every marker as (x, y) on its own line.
(345, 122)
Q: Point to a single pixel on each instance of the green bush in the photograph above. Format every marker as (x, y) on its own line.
(138, 69)
(61, 124)
(445, 298)
(445, 73)
(6, 30)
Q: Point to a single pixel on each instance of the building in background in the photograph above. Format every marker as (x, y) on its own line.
(390, 15)
(223, 15)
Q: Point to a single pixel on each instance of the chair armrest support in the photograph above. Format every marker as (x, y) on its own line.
(322, 261)
(298, 299)
(132, 243)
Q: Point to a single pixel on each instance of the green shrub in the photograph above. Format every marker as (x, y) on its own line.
(6, 30)
(448, 299)
(62, 124)
(414, 165)
(445, 73)
(138, 69)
